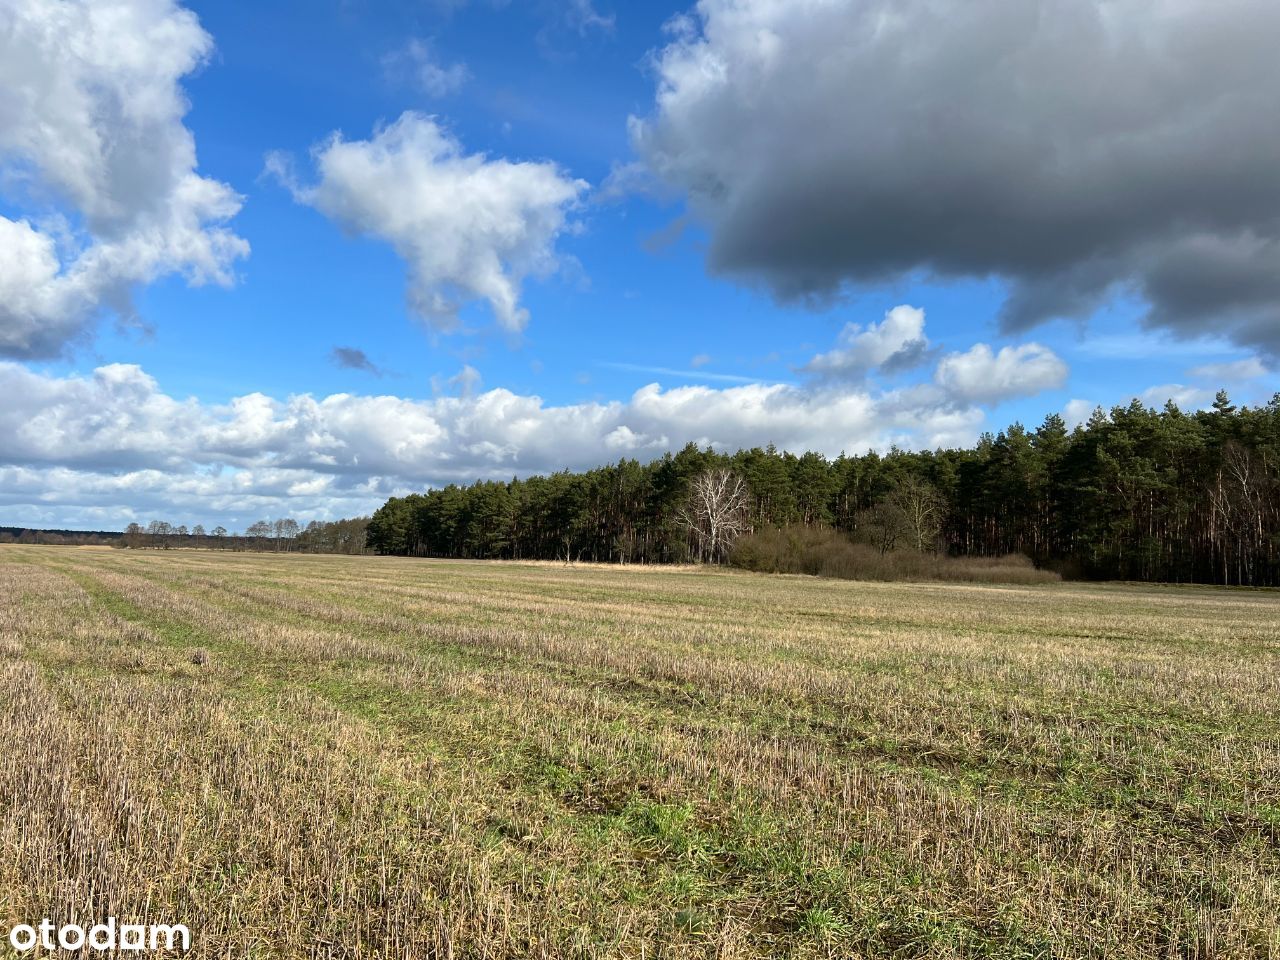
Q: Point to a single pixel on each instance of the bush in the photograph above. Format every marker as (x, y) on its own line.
(825, 552)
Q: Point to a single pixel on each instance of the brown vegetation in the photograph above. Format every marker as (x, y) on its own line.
(823, 552)
(305, 756)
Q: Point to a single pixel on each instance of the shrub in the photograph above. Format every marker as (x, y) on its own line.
(825, 552)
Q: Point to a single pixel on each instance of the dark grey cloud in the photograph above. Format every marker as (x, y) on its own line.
(352, 358)
(1076, 149)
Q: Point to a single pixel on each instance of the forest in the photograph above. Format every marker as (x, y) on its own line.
(1132, 494)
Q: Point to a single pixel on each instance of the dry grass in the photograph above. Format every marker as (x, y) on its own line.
(357, 757)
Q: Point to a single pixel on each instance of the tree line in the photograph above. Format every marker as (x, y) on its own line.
(1134, 493)
(284, 535)
(76, 538)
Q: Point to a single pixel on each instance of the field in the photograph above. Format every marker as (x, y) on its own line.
(360, 757)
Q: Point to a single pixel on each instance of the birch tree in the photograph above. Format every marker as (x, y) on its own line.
(716, 512)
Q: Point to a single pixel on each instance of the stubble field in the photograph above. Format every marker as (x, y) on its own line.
(358, 757)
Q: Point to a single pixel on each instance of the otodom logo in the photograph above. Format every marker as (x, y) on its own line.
(106, 937)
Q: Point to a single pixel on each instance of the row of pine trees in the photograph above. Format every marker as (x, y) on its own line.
(1134, 494)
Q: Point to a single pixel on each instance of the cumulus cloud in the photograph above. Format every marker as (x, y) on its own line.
(63, 497)
(468, 227)
(92, 141)
(416, 63)
(119, 418)
(895, 343)
(114, 444)
(1075, 149)
(1078, 412)
(980, 376)
(107, 439)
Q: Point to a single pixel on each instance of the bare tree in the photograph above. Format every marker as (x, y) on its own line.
(1240, 499)
(716, 512)
(285, 530)
(259, 531)
(159, 531)
(882, 526)
(923, 510)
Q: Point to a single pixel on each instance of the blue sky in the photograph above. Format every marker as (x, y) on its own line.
(706, 198)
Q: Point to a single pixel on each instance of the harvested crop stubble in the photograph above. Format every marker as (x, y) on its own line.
(355, 757)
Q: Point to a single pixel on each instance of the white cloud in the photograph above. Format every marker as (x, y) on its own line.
(895, 343)
(1152, 345)
(91, 112)
(1077, 412)
(980, 376)
(417, 63)
(468, 227)
(466, 381)
(114, 442)
(1231, 371)
(115, 433)
(694, 374)
(583, 16)
(61, 497)
(1187, 398)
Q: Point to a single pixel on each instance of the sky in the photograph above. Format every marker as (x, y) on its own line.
(288, 259)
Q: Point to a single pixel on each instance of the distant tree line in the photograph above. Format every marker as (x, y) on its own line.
(283, 536)
(74, 538)
(1134, 494)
